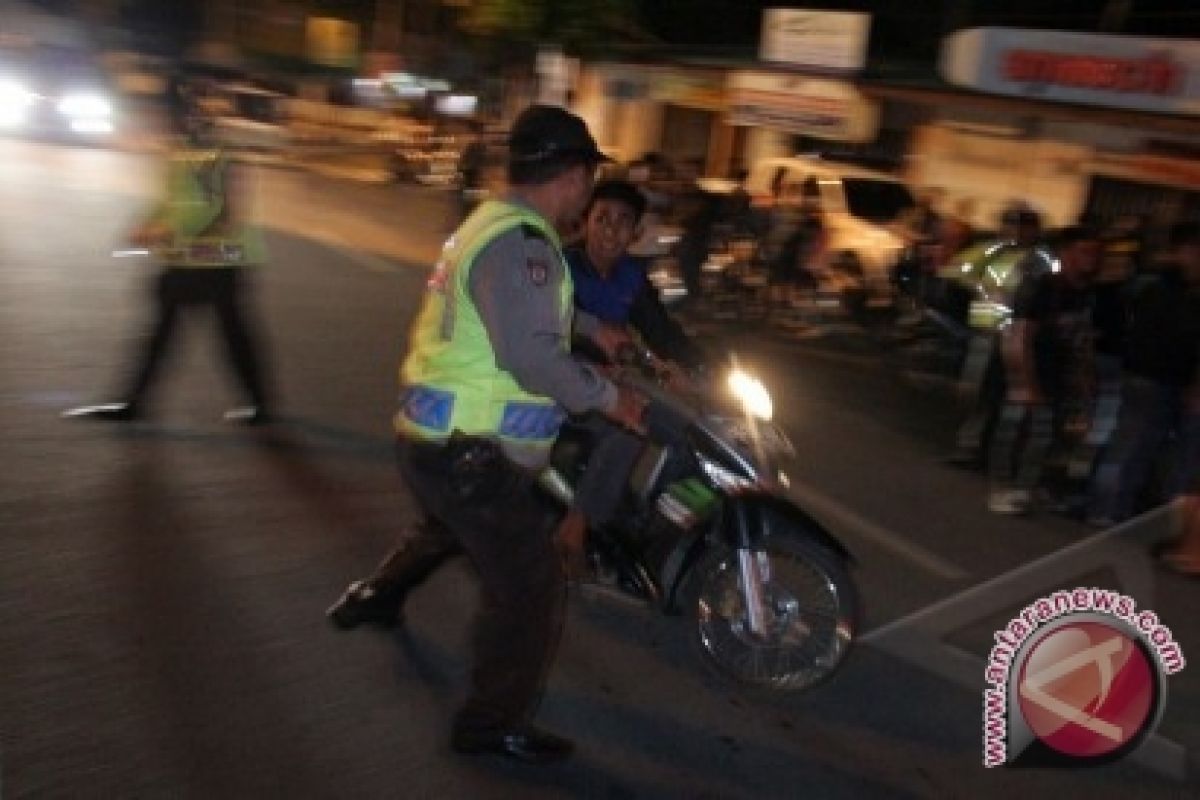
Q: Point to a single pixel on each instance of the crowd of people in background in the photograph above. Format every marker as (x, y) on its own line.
(1085, 397)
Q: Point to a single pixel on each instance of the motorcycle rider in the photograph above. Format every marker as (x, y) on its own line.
(485, 382)
(613, 286)
(988, 275)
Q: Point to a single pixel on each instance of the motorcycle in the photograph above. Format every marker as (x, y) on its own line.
(711, 535)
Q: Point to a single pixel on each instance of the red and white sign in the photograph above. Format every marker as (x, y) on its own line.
(1160, 75)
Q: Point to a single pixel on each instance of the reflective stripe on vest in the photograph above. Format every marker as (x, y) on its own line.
(450, 377)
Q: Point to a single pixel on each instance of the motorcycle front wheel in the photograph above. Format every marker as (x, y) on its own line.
(810, 620)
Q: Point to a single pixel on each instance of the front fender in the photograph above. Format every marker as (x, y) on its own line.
(782, 509)
(784, 518)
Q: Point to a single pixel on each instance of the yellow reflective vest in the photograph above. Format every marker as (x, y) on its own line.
(194, 209)
(450, 380)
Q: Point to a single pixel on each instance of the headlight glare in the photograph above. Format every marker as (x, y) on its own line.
(84, 105)
(751, 393)
(15, 101)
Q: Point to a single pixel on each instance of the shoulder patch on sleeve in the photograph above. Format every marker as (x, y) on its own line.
(538, 269)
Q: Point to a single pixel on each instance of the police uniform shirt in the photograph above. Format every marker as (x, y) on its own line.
(516, 285)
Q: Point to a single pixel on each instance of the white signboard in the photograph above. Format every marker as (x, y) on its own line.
(833, 40)
(825, 109)
(1161, 75)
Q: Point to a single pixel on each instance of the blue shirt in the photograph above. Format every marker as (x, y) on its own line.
(611, 298)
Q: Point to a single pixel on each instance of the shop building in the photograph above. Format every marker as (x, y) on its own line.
(1079, 125)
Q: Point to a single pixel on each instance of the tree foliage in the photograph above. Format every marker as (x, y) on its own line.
(578, 25)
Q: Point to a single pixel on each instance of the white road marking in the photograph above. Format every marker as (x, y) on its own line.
(835, 512)
(981, 591)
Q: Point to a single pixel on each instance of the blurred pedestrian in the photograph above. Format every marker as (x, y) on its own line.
(201, 234)
(1161, 390)
(1047, 357)
(1120, 263)
(696, 211)
(650, 175)
(794, 244)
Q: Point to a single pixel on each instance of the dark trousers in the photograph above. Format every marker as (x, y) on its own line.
(477, 501)
(983, 386)
(612, 458)
(222, 288)
(1020, 445)
(1151, 412)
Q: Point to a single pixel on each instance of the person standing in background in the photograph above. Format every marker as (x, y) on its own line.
(200, 233)
(1161, 389)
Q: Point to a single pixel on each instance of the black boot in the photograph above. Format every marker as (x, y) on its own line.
(105, 412)
(523, 743)
(363, 601)
(379, 598)
(249, 415)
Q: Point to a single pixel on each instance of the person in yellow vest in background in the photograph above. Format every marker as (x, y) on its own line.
(486, 383)
(989, 273)
(199, 233)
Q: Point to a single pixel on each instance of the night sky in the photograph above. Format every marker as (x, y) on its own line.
(907, 31)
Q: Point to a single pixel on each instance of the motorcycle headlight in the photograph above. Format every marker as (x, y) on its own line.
(87, 105)
(751, 393)
(15, 101)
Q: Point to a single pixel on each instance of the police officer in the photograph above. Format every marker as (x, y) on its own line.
(198, 231)
(990, 272)
(485, 382)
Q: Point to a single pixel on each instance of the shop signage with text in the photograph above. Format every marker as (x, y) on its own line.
(1161, 75)
(824, 109)
(830, 40)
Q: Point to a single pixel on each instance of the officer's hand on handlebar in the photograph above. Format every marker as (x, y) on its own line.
(676, 378)
(630, 410)
(610, 339)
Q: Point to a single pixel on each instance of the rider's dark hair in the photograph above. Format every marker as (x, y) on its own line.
(622, 192)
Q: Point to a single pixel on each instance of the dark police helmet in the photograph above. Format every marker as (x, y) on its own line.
(551, 134)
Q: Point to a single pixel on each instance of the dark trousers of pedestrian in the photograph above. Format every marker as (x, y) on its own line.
(1104, 415)
(1151, 412)
(477, 502)
(1020, 444)
(982, 384)
(177, 289)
